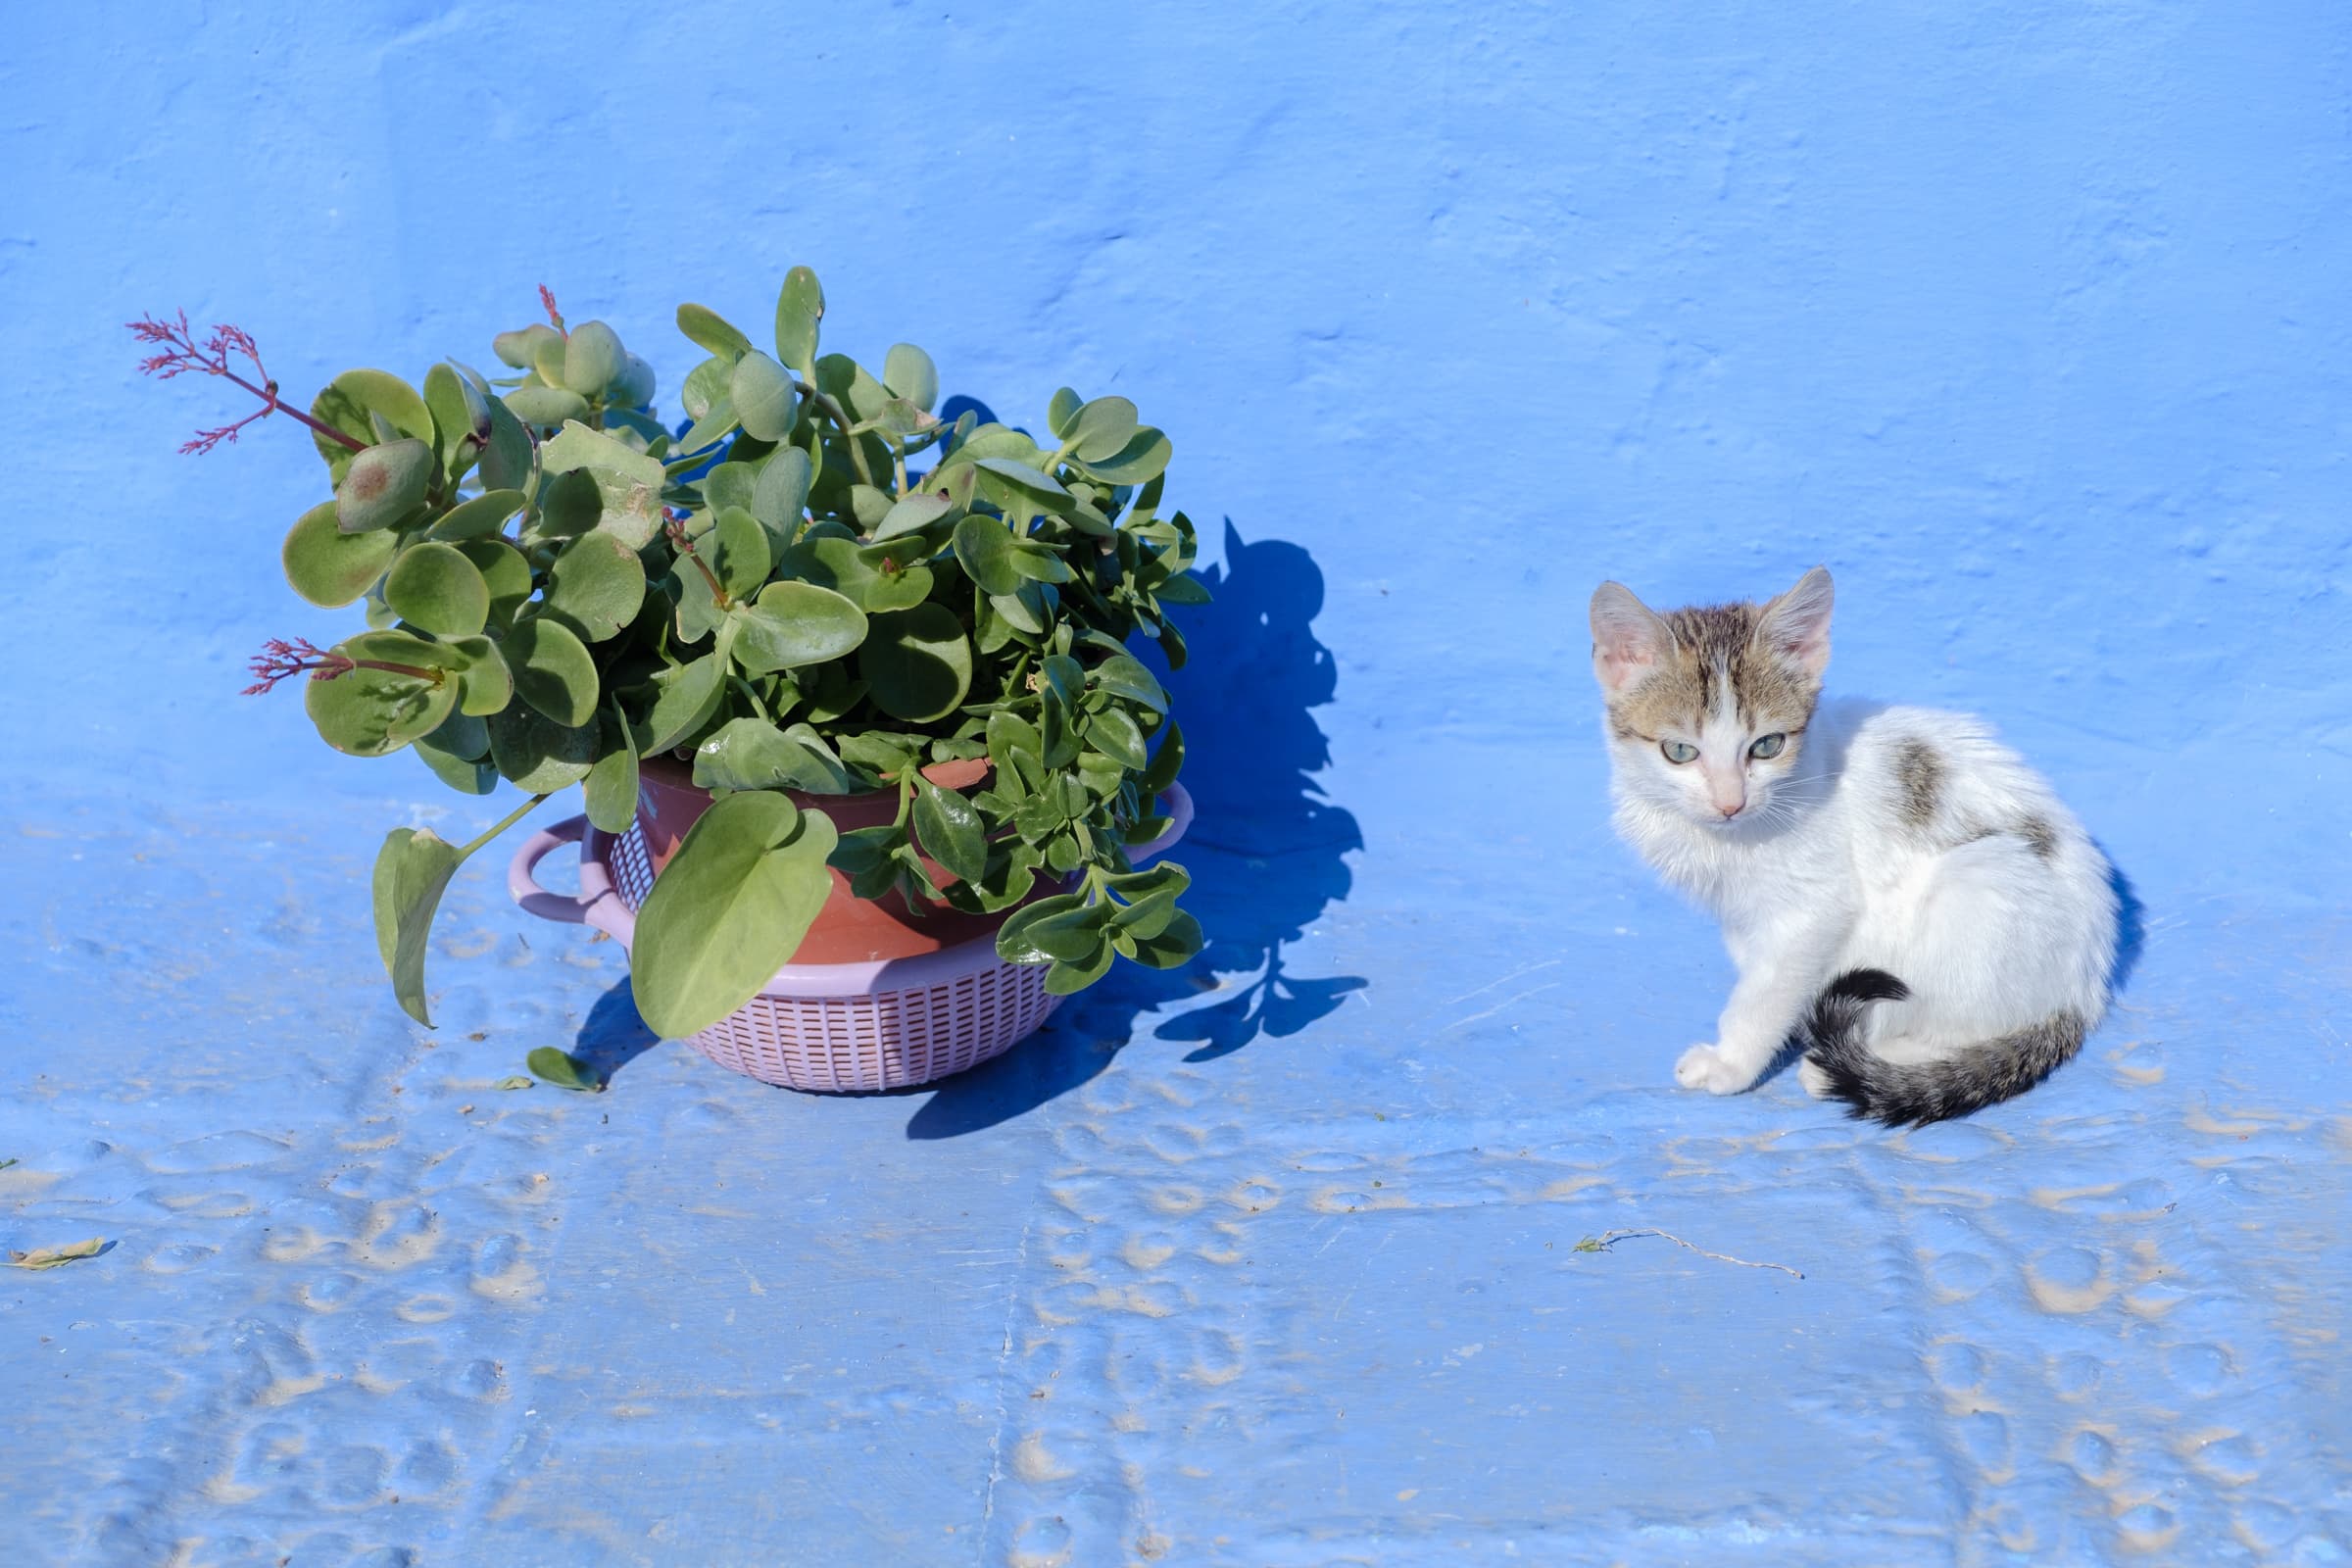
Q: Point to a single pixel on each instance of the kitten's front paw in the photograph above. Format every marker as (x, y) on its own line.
(1706, 1067)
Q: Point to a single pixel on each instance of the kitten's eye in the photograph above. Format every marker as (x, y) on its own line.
(1678, 752)
(1768, 746)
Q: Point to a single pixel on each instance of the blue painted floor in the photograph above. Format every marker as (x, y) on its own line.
(2028, 320)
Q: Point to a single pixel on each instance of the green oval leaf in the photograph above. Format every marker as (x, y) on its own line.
(593, 359)
(329, 567)
(1144, 457)
(1061, 413)
(918, 663)
(552, 669)
(435, 586)
(1116, 735)
(763, 396)
(799, 308)
(506, 574)
(354, 400)
(712, 332)
(411, 870)
(685, 696)
(796, 624)
(729, 910)
(751, 754)
(610, 788)
(538, 753)
(597, 586)
(384, 485)
(546, 405)
(372, 713)
(482, 517)
(1013, 475)
(1122, 675)
(949, 829)
(520, 347)
(1102, 428)
(984, 547)
(909, 372)
(780, 498)
(564, 1070)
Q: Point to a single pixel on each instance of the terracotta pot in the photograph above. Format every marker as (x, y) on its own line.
(849, 930)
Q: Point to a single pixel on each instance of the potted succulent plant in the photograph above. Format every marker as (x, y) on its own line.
(815, 642)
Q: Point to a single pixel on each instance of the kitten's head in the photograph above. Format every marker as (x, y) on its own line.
(1707, 708)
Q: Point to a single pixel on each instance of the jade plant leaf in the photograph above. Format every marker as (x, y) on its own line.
(411, 871)
(481, 518)
(368, 711)
(799, 308)
(484, 683)
(553, 669)
(729, 910)
(628, 483)
(354, 400)
(753, 754)
(1122, 675)
(712, 332)
(918, 663)
(596, 586)
(911, 514)
(444, 751)
(685, 696)
(764, 401)
(507, 461)
(505, 572)
(1061, 412)
(593, 359)
(610, 791)
(329, 567)
(384, 485)
(781, 495)
(1144, 456)
(1102, 428)
(546, 406)
(434, 586)
(537, 754)
(984, 547)
(796, 624)
(951, 830)
(909, 372)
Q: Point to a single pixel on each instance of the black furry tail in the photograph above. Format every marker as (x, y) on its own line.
(1901, 1094)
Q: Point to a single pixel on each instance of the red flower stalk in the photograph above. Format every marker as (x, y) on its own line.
(183, 354)
(280, 660)
(546, 297)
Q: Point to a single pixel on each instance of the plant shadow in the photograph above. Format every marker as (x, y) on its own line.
(1266, 852)
(613, 1035)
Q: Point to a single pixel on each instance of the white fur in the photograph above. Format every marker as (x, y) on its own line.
(1819, 873)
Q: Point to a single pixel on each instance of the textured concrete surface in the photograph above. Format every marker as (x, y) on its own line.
(2027, 318)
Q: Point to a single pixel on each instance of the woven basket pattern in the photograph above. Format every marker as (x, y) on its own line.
(886, 1040)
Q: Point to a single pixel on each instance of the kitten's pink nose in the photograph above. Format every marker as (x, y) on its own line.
(1732, 810)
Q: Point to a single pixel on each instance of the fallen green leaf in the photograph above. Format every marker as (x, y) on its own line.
(57, 1257)
(515, 1080)
(564, 1070)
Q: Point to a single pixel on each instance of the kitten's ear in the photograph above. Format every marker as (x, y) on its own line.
(1796, 625)
(1628, 638)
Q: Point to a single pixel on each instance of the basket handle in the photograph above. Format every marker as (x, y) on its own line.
(522, 879)
(1180, 818)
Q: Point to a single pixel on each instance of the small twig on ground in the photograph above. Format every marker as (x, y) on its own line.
(1602, 1242)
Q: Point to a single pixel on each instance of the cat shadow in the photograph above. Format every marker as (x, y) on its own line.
(1266, 849)
(2132, 930)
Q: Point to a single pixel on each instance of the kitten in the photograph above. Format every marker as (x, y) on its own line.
(1892, 882)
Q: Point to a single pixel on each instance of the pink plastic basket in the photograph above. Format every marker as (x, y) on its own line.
(826, 1027)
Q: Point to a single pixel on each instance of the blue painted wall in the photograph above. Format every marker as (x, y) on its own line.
(2029, 320)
